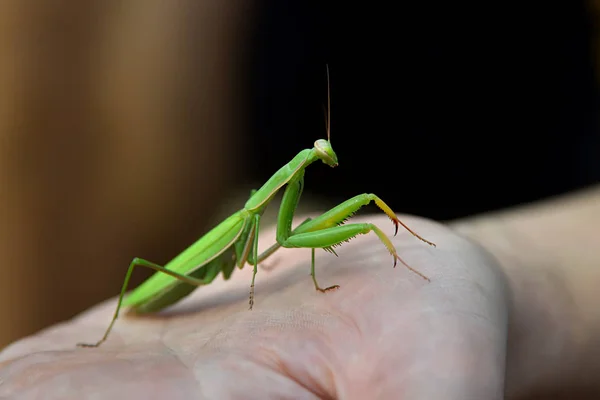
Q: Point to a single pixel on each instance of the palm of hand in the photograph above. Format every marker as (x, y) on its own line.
(386, 333)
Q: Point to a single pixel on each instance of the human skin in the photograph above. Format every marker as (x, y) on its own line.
(550, 252)
(508, 312)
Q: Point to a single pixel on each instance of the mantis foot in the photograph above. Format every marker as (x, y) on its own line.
(89, 345)
(251, 301)
(327, 289)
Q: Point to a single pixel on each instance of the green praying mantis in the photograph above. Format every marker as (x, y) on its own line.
(234, 242)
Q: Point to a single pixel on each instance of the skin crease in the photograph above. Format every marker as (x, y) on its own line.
(474, 332)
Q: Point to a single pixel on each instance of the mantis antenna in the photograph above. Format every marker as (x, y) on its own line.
(328, 107)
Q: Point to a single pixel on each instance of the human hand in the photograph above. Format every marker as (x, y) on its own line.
(386, 333)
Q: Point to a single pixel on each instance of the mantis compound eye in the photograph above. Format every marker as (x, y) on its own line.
(325, 152)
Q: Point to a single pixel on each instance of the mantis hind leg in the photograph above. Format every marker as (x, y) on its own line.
(138, 262)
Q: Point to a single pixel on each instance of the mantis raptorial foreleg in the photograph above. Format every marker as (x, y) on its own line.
(327, 230)
(342, 212)
(331, 237)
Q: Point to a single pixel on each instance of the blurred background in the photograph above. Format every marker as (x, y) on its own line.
(130, 128)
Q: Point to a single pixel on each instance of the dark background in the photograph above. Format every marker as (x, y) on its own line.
(442, 109)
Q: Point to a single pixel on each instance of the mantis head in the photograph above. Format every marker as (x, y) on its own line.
(325, 152)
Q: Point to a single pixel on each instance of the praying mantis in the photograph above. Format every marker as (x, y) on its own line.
(234, 241)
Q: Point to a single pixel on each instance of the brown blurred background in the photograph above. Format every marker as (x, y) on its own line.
(129, 128)
(118, 137)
